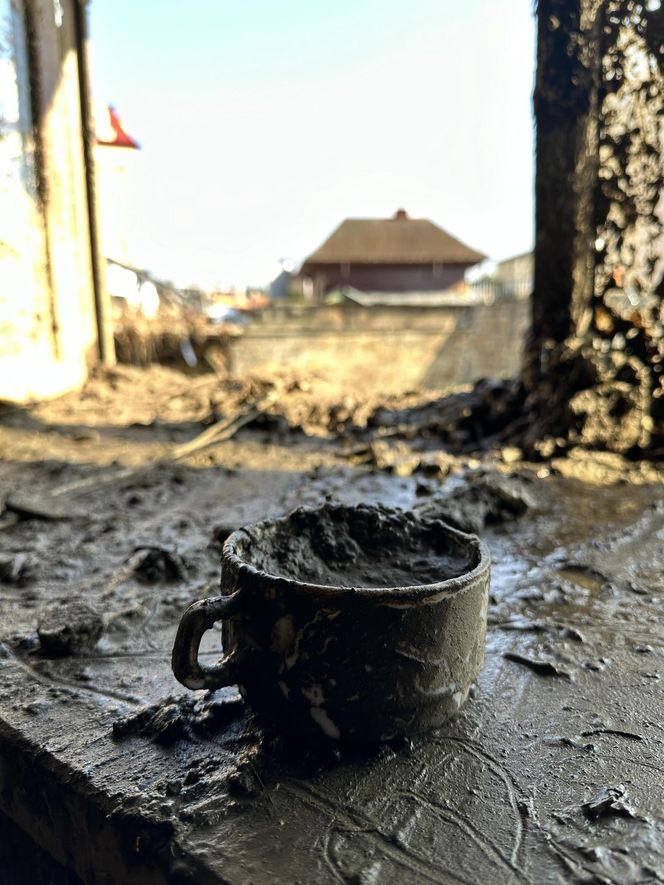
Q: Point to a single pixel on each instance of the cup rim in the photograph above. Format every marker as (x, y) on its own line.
(428, 592)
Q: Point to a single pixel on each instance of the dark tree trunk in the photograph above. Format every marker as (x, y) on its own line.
(594, 368)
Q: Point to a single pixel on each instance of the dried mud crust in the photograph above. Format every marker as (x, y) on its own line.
(127, 416)
(356, 547)
(159, 399)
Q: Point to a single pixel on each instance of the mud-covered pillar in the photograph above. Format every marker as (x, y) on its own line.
(594, 368)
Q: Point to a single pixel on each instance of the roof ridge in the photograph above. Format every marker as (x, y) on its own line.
(381, 241)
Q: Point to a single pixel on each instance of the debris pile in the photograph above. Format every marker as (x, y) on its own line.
(416, 433)
(177, 336)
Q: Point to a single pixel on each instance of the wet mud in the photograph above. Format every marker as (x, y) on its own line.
(66, 628)
(551, 771)
(176, 718)
(479, 498)
(358, 547)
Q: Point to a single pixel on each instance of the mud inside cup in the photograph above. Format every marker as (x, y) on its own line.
(356, 623)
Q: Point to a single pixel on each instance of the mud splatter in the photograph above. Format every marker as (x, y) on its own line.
(610, 802)
(178, 718)
(540, 666)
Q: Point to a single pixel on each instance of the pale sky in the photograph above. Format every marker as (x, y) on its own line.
(264, 123)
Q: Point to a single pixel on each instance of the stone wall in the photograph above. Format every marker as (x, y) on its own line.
(388, 349)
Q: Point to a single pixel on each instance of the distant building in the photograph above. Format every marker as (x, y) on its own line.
(515, 276)
(282, 285)
(398, 254)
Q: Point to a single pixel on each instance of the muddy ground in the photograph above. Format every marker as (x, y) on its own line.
(551, 772)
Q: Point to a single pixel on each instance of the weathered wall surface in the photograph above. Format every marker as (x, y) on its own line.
(388, 349)
(47, 320)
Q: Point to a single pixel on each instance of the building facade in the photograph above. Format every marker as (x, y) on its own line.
(398, 254)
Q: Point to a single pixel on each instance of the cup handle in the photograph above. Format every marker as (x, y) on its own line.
(196, 620)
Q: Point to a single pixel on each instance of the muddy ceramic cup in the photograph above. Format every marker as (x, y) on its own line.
(358, 623)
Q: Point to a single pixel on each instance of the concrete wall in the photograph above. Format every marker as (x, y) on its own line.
(48, 332)
(388, 349)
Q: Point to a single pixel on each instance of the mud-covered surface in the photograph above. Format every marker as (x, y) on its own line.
(359, 547)
(552, 771)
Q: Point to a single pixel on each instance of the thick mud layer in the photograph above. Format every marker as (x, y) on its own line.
(550, 772)
(367, 547)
